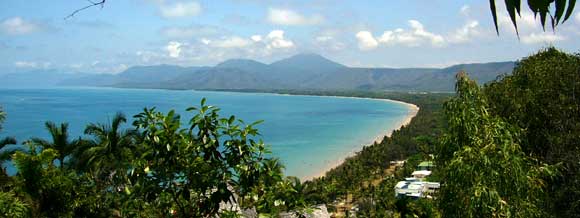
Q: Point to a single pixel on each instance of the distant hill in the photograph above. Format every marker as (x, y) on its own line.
(34, 79)
(302, 71)
(136, 77)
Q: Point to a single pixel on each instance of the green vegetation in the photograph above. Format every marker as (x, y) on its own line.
(541, 98)
(157, 168)
(362, 180)
(484, 171)
(507, 149)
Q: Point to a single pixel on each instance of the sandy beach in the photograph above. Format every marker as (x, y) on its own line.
(413, 110)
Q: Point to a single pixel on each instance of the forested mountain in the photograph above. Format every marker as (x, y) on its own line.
(35, 78)
(299, 72)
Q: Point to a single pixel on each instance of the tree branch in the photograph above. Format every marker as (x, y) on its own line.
(93, 4)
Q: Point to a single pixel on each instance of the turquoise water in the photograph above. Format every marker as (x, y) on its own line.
(308, 133)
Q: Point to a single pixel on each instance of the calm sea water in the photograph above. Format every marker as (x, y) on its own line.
(308, 133)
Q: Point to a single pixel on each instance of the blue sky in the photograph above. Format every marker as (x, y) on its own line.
(378, 33)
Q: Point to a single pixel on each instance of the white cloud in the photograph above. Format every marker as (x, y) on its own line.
(256, 38)
(329, 43)
(577, 17)
(214, 49)
(25, 64)
(18, 26)
(147, 56)
(527, 22)
(419, 30)
(544, 37)
(416, 36)
(232, 42)
(98, 67)
(181, 9)
(191, 31)
(323, 38)
(465, 33)
(366, 41)
(32, 64)
(289, 17)
(276, 40)
(529, 29)
(465, 9)
(174, 49)
(205, 41)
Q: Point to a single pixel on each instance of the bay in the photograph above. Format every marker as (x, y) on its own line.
(308, 133)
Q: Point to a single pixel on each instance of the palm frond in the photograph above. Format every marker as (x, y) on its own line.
(558, 11)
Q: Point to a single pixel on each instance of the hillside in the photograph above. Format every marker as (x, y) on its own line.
(299, 72)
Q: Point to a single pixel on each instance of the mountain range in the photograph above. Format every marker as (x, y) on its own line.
(299, 72)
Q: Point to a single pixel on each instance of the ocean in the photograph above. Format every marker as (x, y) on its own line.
(308, 133)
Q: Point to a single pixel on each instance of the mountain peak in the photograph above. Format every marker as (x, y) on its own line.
(237, 62)
(244, 65)
(310, 61)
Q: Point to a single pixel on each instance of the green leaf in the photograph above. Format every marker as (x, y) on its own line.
(571, 5)
(560, 8)
(494, 14)
(512, 6)
(257, 122)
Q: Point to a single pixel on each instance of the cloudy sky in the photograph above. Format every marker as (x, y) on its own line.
(374, 33)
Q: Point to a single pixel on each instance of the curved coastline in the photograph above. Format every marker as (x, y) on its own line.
(336, 159)
(413, 110)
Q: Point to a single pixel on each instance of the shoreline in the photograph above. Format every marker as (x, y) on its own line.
(413, 110)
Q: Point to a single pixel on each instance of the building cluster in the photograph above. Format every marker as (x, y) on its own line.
(417, 186)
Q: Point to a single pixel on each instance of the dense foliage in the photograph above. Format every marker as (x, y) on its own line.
(542, 98)
(508, 149)
(157, 168)
(362, 179)
(484, 170)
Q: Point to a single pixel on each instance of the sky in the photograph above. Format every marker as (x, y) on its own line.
(35, 35)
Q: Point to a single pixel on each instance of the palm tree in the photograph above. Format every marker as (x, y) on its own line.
(2, 117)
(272, 171)
(6, 154)
(60, 141)
(110, 149)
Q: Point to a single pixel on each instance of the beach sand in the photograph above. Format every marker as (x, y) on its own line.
(413, 110)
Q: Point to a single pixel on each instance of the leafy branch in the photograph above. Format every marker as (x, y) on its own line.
(561, 12)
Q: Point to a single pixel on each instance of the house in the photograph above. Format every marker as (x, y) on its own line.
(414, 189)
(421, 174)
(416, 186)
(426, 165)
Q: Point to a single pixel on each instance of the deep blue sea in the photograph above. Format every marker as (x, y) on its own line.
(308, 133)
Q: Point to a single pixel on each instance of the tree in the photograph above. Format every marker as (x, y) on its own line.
(2, 117)
(5, 153)
(109, 153)
(43, 186)
(192, 170)
(542, 97)
(559, 11)
(60, 141)
(484, 171)
(11, 206)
